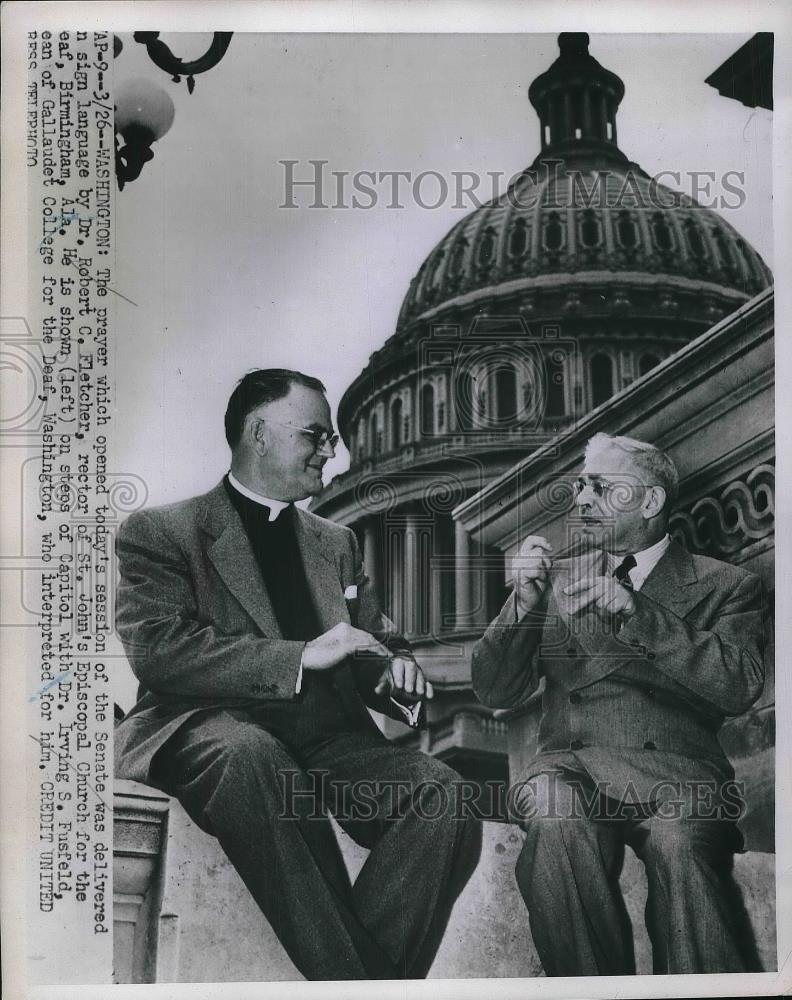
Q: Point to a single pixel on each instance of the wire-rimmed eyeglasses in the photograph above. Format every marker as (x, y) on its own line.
(319, 438)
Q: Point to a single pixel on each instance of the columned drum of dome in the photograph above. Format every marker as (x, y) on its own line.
(532, 311)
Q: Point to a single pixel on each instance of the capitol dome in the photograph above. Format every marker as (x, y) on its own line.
(587, 227)
(583, 210)
(584, 230)
(585, 243)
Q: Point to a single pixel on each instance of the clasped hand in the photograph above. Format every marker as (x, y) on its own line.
(402, 677)
(603, 594)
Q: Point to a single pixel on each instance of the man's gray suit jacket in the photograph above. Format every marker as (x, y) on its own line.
(643, 705)
(199, 629)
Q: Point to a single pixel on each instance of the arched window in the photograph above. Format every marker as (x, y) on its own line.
(589, 229)
(625, 231)
(518, 239)
(427, 411)
(463, 399)
(486, 253)
(601, 378)
(647, 363)
(663, 238)
(555, 405)
(374, 435)
(396, 423)
(457, 257)
(506, 392)
(694, 240)
(553, 232)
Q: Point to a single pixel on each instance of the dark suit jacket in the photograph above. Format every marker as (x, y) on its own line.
(645, 704)
(199, 630)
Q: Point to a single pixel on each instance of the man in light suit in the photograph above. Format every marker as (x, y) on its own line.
(644, 649)
(258, 643)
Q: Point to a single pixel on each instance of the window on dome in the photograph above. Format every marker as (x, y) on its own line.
(554, 385)
(589, 229)
(626, 232)
(463, 400)
(662, 233)
(547, 135)
(553, 232)
(647, 363)
(608, 130)
(486, 252)
(601, 379)
(374, 435)
(506, 392)
(396, 423)
(694, 240)
(457, 257)
(427, 411)
(518, 238)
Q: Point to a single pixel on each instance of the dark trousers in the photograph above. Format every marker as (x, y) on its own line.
(258, 796)
(568, 874)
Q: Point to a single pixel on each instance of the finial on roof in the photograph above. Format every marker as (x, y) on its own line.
(573, 43)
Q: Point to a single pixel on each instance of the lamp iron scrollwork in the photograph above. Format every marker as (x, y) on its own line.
(144, 111)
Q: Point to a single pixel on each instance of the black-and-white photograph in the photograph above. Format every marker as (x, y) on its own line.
(391, 418)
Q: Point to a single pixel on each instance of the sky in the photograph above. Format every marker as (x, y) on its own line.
(218, 278)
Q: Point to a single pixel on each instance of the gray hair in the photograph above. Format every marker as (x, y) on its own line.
(655, 466)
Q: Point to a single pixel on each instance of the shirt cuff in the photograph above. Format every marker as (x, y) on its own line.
(410, 712)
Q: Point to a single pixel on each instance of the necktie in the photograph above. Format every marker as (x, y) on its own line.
(622, 571)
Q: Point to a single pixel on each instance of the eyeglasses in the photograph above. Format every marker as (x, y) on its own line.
(319, 439)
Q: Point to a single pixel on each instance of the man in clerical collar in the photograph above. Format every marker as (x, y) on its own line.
(644, 649)
(259, 646)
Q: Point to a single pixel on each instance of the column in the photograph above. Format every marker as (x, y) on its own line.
(569, 125)
(603, 113)
(394, 570)
(462, 576)
(556, 116)
(371, 554)
(412, 575)
(588, 116)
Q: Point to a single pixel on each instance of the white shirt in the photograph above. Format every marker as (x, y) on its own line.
(645, 561)
(275, 507)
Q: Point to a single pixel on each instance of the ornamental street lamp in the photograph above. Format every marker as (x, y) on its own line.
(144, 111)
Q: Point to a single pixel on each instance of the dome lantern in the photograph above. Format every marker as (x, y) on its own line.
(576, 100)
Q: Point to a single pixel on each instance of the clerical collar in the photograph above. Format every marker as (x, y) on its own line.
(275, 506)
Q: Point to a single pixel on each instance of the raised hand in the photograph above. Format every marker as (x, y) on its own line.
(531, 572)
